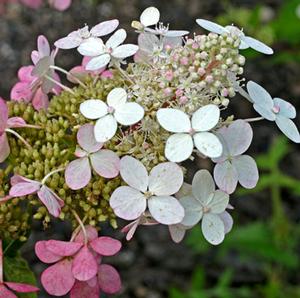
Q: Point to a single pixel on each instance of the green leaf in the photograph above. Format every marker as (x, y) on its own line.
(16, 269)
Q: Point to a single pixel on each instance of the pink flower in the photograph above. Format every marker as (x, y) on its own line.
(57, 4)
(32, 86)
(104, 162)
(78, 268)
(22, 186)
(5, 126)
(81, 73)
(7, 288)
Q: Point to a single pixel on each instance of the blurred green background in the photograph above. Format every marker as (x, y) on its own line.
(260, 257)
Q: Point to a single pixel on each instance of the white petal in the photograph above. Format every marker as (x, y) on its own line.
(147, 42)
(247, 170)
(179, 147)
(203, 186)
(165, 179)
(91, 47)
(265, 112)
(219, 202)
(116, 39)
(134, 173)
(93, 108)
(288, 127)
(243, 45)
(206, 118)
(176, 33)
(124, 51)
(150, 16)
(105, 128)
(68, 42)
(257, 45)
(208, 144)
(129, 113)
(211, 26)
(213, 228)
(192, 211)
(226, 176)
(98, 62)
(104, 28)
(286, 109)
(166, 210)
(127, 203)
(173, 120)
(116, 97)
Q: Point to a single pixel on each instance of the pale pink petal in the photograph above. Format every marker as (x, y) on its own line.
(61, 5)
(3, 115)
(24, 189)
(127, 203)
(106, 163)
(85, 265)
(286, 109)
(109, 279)
(107, 74)
(130, 229)
(91, 234)
(165, 179)
(15, 179)
(35, 56)
(63, 248)
(177, 232)
(106, 246)
(104, 28)
(21, 91)
(213, 228)
(82, 289)
(98, 62)
(5, 293)
(134, 173)
(45, 255)
(78, 173)
(226, 176)
(193, 210)
(227, 220)
(247, 170)
(24, 74)
(40, 100)
(166, 210)
(4, 147)
(34, 4)
(219, 202)
(58, 279)
(80, 152)
(91, 47)
(43, 46)
(50, 201)
(14, 122)
(86, 139)
(68, 42)
(5, 199)
(237, 136)
(203, 186)
(21, 287)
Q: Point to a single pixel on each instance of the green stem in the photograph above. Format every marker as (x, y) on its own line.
(59, 84)
(51, 173)
(18, 136)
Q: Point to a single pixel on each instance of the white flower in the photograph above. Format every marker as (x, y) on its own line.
(188, 133)
(75, 38)
(153, 191)
(103, 54)
(116, 110)
(276, 109)
(150, 17)
(246, 41)
(208, 204)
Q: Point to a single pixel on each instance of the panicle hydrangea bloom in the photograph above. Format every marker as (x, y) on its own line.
(115, 145)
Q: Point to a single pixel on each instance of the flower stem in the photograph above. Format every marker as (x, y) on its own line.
(1, 262)
(81, 226)
(69, 74)
(51, 173)
(124, 74)
(18, 136)
(254, 119)
(76, 231)
(60, 84)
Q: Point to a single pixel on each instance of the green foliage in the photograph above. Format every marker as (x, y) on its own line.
(272, 244)
(16, 270)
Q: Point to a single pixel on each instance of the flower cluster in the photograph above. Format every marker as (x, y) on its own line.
(115, 144)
